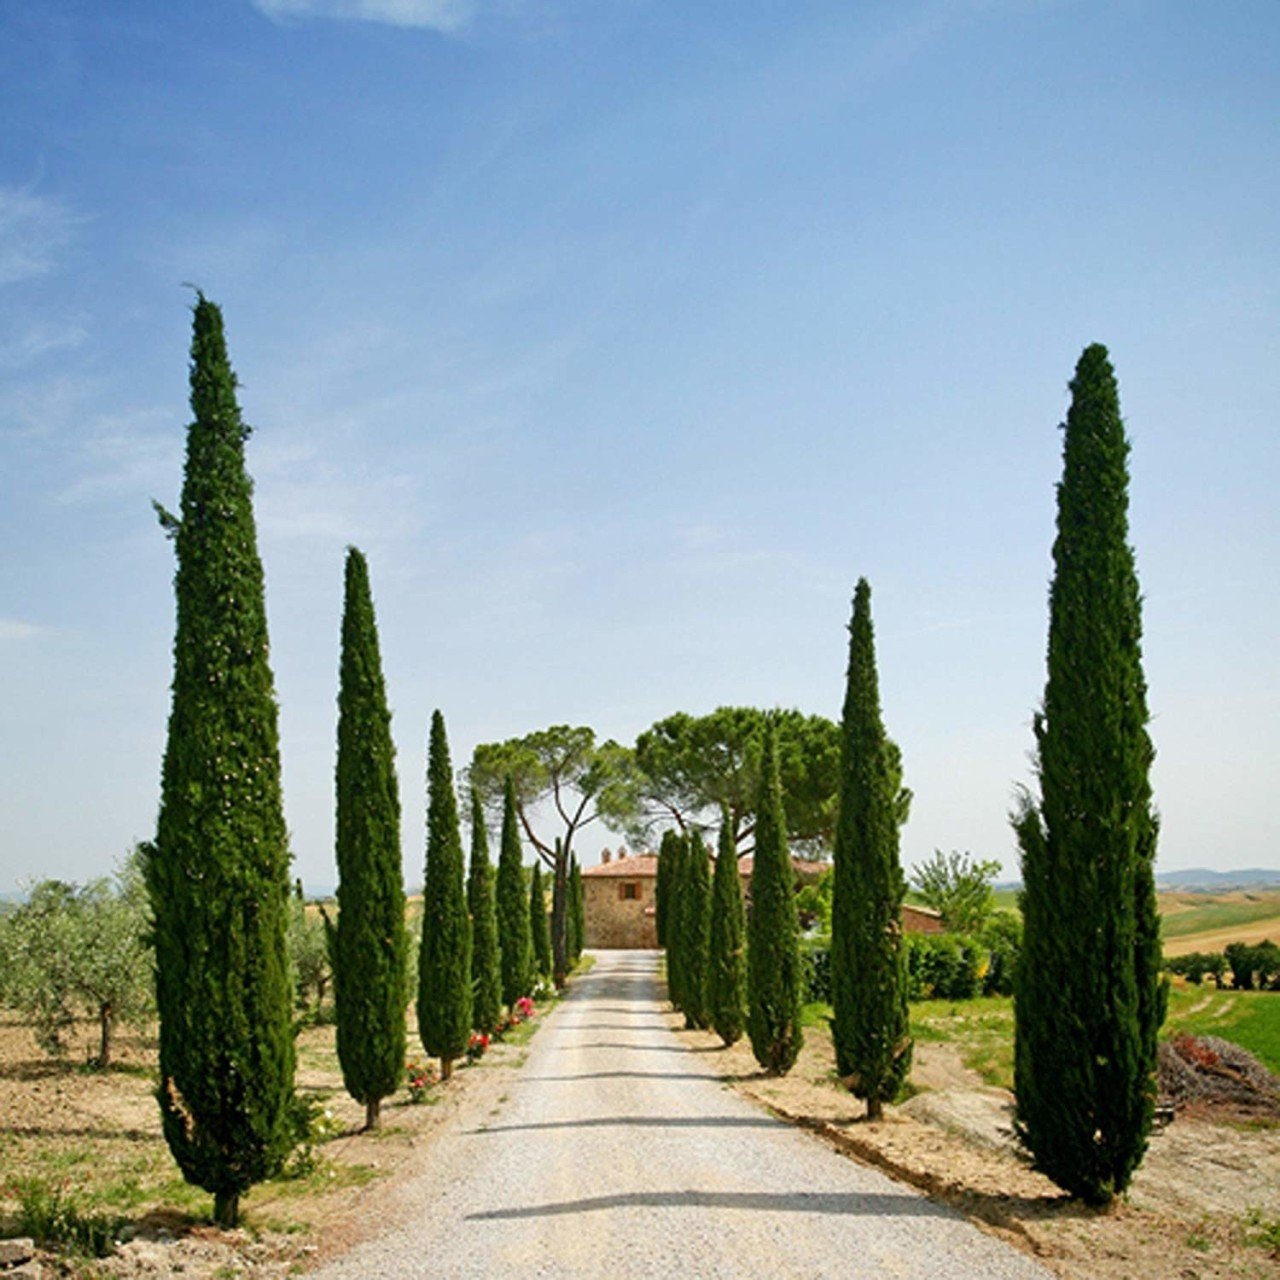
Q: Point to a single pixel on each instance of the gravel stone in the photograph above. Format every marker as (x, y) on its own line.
(619, 1153)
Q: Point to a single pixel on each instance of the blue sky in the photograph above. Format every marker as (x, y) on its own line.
(624, 336)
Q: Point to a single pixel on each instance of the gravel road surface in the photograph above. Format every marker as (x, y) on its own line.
(619, 1154)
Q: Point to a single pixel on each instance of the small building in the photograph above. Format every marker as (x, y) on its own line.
(620, 913)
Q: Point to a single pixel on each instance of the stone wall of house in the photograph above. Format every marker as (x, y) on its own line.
(614, 920)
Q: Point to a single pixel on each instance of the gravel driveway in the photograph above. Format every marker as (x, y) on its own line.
(618, 1153)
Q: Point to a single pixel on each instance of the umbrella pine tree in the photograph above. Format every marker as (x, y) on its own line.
(444, 966)
(218, 872)
(369, 941)
(869, 1025)
(1088, 999)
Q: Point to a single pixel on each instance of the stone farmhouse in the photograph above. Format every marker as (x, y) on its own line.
(618, 900)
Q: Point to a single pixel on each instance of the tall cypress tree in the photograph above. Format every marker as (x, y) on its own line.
(870, 1026)
(727, 967)
(218, 873)
(773, 929)
(486, 958)
(515, 939)
(662, 890)
(673, 851)
(577, 912)
(695, 923)
(370, 943)
(1088, 999)
(539, 925)
(444, 967)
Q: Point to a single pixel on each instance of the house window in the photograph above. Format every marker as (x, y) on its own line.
(629, 891)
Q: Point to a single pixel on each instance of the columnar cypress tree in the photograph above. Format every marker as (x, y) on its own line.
(514, 937)
(218, 874)
(773, 929)
(444, 967)
(486, 958)
(1088, 999)
(369, 941)
(662, 889)
(539, 925)
(577, 912)
(727, 969)
(870, 1026)
(695, 923)
(673, 850)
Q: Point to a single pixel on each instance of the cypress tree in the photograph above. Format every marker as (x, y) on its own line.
(673, 850)
(695, 923)
(577, 912)
(218, 873)
(370, 943)
(662, 890)
(539, 925)
(1088, 999)
(773, 929)
(515, 939)
(444, 966)
(870, 1026)
(727, 968)
(486, 959)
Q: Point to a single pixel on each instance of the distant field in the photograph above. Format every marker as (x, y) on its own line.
(1212, 921)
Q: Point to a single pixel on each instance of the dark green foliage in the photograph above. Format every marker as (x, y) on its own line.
(539, 925)
(727, 966)
(370, 943)
(773, 930)
(1002, 937)
(662, 890)
(486, 958)
(868, 970)
(1251, 965)
(515, 941)
(444, 966)
(1088, 997)
(943, 966)
(218, 873)
(695, 924)
(577, 912)
(674, 849)
(958, 888)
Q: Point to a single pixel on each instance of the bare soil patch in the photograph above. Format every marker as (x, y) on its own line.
(1187, 1217)
(95, 1136)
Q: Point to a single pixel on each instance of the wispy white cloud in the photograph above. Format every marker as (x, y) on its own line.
(439, 15)
(14, 629)
(28, 343)
(32, 231)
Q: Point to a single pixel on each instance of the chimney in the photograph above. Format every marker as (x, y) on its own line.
(605, 857)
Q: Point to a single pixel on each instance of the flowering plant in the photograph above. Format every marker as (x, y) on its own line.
(478, 1044)
(419, 1079)
(524, 1008)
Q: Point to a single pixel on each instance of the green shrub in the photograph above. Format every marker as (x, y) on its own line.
(55, 1219)
(943, 966)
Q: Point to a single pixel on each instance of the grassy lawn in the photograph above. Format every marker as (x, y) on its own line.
(982, 1029)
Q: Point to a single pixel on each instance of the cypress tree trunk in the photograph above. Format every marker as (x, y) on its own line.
(516, 941)
(538, 928)
(773, 929)
(727, 971)
(1088, 1001)
(444, 971)
(218, 873)
(370, 943)
(486, 960)
(695, 921)
(870, 1024)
